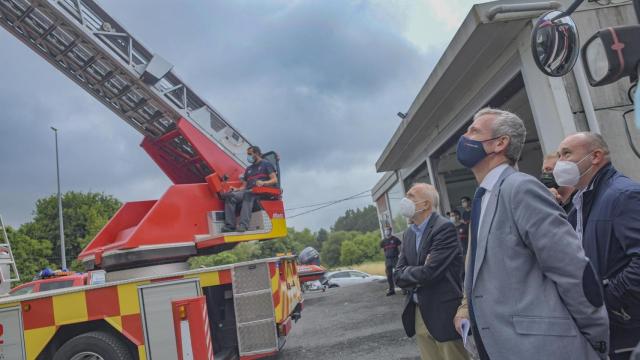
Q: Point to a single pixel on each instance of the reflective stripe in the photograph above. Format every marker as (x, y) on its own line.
(187, 351)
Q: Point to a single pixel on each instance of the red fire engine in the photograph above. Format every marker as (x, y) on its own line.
(141, 300)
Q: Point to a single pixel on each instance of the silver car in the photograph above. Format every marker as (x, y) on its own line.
(348, 277)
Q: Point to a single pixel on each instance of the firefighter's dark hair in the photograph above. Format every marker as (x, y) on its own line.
(256, 150)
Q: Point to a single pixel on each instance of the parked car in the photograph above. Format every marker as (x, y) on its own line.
(315, 285)
(348, 277)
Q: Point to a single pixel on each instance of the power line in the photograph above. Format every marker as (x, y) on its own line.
(322, 203)
(352, 197)
(330, 201)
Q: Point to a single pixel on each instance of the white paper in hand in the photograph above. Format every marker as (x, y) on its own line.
(465, 325)
(468, 343)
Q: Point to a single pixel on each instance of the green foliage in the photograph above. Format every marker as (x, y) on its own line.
(84, 216)
(30, 254)
(294, 242)
(361, 248)
(223, 258)
(271, 248)
(302, 239)
(400, 223)
(363, 220)
(331, 249)
(321, 237)
(352, 240)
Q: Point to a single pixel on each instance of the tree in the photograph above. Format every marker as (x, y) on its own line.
(322, 236)
(30, 254)
(271, 248)
(331, 249)
(302, 239)
(84, 216)
(363, 220)
(294, 242)
(242, 252)
(362, 248)
(223, 258)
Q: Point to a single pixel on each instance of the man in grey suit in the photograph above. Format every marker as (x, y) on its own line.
(530, 291)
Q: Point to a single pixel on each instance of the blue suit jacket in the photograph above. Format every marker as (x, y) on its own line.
(611, 239)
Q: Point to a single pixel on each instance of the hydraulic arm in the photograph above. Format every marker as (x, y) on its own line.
(194, 146)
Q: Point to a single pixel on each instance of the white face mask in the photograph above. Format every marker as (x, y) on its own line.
(408, 208)
(567, 173)
(453, 219)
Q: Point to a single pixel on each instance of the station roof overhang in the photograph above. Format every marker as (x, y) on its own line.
(479, 41)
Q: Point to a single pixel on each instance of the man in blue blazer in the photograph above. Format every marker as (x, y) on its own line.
(606, 215)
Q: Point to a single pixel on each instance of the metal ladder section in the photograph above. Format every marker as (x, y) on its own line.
(6, 246)
(255, 316)
(85, 43)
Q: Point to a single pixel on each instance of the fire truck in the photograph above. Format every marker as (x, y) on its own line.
(141, 300)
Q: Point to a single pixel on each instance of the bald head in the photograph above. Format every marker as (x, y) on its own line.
(585, 141)
(579, 147)
(422, 192)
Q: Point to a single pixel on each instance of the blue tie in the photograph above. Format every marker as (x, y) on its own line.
(476, 210)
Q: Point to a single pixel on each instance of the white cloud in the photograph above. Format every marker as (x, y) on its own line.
(427, 24)
(320, 82)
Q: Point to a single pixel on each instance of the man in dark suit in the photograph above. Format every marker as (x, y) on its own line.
(606, 216)
(430, 267)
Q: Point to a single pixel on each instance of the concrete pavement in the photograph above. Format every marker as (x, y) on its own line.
(350, 323)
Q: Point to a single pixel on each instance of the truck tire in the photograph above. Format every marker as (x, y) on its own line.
(95, 345)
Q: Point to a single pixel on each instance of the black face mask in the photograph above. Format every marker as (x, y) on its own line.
(548, 180)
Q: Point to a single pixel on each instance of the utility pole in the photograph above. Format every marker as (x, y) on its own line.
(62, 252)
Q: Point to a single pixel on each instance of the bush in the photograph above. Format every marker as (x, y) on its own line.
(361, 248)
(223, 258)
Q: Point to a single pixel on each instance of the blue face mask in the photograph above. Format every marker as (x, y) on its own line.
(470, 152)
(250, 159)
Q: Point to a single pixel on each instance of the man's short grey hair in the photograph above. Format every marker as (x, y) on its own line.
(596, 141)
(430, 192)
(507, 124)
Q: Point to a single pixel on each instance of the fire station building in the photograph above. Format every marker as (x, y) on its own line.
(489, 62)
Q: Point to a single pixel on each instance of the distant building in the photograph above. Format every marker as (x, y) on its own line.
(489, 63)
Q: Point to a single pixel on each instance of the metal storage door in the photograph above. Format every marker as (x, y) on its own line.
(157, 317)
(11, 340)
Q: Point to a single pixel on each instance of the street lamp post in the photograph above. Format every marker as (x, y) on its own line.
(62, 252)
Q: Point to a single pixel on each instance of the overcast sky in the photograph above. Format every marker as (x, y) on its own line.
(320, 82)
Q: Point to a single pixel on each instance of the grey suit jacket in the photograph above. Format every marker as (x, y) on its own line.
(535, 294)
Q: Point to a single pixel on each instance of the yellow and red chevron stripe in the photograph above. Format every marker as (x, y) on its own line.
(285, 288)
(118, 305)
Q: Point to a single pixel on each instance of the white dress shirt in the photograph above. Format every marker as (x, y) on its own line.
(578, 204)
(489, 182)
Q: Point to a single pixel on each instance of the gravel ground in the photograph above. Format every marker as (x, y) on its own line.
(355, 322)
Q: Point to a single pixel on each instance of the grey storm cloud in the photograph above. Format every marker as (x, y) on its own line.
(319, 82)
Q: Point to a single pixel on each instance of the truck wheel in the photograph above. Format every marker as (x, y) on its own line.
(95, 345)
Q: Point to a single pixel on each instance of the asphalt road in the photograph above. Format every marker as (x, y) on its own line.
(355, 322)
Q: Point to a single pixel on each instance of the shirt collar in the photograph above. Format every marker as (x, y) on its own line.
(420, 228)
(492, 177)
(577, 198)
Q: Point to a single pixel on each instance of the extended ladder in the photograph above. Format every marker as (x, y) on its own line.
(6, 247)
(86, 44)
